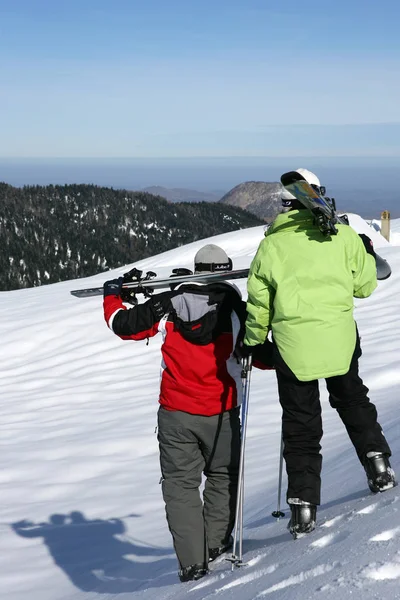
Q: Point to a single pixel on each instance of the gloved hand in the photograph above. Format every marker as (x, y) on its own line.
(113, 287)
(242, 350)
(368, 245)
(263, 355)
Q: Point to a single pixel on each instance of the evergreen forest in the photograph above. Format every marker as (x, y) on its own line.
(55, 233)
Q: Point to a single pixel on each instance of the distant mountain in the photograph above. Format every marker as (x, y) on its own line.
(260, 198)
(55, 233)
(182, 194)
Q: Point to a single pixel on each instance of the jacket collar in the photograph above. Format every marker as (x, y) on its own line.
(291, 220)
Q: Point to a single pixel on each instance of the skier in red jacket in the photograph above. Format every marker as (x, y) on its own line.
(200, 393)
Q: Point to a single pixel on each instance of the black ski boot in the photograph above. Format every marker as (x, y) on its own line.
(213, 553)
(193, 572)
(380, 474)
(303, 517)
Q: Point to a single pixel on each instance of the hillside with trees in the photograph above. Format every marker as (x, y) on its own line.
(55, 233)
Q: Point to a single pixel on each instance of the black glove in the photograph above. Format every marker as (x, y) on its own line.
(264, 353)
(133, 275)
(113, 287)
(368, 245)
(243, 351)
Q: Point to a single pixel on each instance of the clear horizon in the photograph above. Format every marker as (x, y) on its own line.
(362, 185)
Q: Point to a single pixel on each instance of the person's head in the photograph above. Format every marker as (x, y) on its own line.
(290, 202)
(57, 519)
(211, 259)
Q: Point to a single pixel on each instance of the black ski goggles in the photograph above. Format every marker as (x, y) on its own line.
(214, 267)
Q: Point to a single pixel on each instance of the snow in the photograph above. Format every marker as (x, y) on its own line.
(81, 510)
(394, 230)
(362, 226)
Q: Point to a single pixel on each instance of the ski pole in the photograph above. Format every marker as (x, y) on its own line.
(238, 531)
(278, 513)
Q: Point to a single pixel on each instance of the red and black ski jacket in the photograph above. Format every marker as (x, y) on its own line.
(201, 325)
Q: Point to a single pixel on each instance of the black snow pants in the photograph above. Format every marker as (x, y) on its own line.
(190, 446)
(302, 423)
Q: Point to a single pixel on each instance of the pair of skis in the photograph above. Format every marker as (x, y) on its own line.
(325, 215)
(150, 283)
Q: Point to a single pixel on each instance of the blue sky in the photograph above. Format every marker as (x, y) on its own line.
(95, 78)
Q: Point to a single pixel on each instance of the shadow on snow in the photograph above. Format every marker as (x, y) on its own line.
(91, 555)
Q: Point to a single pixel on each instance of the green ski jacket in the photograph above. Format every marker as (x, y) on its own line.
(301, 286)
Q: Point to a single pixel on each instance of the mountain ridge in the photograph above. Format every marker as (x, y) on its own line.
(261, 198)
(182, 194)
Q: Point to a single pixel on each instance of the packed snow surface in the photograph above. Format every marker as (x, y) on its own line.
(82, 515)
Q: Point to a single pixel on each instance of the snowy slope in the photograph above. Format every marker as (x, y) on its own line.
(394, 230)
(81, 509)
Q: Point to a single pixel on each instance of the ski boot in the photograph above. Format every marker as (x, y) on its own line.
(193, 572)
(380, 474)
(303, 517)
(214, 553)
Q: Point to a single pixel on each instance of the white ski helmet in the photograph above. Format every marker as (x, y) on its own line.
(210, 259)
(309, 176)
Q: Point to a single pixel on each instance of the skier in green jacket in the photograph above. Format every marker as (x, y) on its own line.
(301, 287)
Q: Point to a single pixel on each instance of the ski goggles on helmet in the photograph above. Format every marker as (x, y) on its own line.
(214, 267)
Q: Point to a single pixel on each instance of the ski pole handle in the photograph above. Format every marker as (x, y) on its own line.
(247, 365)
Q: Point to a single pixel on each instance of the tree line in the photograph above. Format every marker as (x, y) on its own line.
(55, 233)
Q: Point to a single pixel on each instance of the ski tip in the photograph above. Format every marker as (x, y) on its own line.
(87, 293)
(383, 269)
(291, 177)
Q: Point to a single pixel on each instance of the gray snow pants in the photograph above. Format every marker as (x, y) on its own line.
(191, 445)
